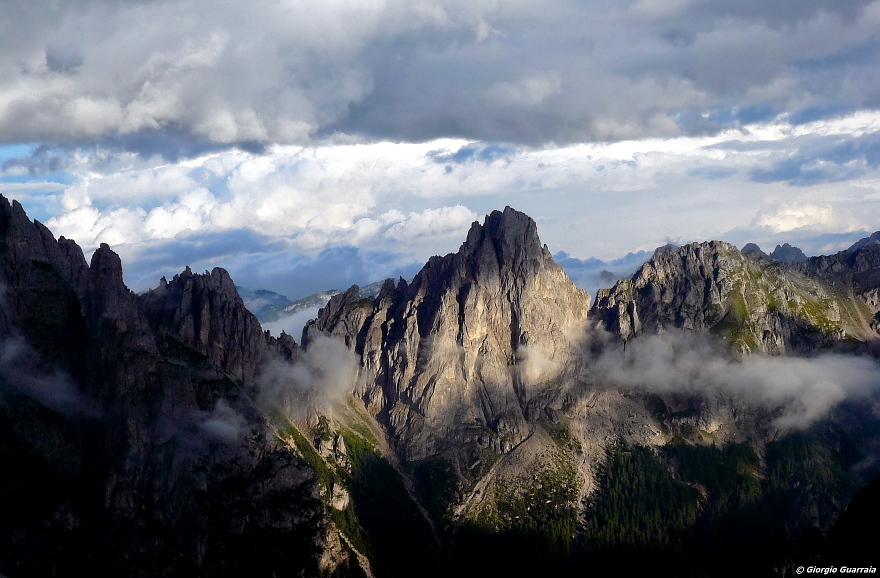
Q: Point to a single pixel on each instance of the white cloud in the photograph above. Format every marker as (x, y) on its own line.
(323, 376)
(790, 217)
(414, 200)
(805, 390)
(432, 222)
(292, 324)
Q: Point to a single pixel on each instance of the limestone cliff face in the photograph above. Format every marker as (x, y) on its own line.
(754, 303)
(136, 446)
(459, 355)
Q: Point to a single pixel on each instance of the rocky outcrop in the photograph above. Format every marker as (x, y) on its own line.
(855, 277)
(785, 253)
(206, 314)
(459, 355)
(136, 447)
(45, 284)
(753, 303)
(858, 270)
(751, 247)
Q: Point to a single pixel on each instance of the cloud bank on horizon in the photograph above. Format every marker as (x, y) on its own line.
(305, 146)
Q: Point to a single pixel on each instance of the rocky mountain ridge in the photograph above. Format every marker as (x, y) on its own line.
(486, 433)
(470, 367)
(137, 446)
(206, 314)
(756, 304)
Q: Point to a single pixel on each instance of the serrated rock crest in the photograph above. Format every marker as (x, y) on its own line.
(455, 356)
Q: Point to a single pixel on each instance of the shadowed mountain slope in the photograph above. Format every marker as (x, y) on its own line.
(137, 448)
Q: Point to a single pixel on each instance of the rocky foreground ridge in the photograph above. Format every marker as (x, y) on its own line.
(130, 441)
(497, 423)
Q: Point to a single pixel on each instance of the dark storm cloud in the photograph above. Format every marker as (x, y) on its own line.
(162, 78)
(170, 144)
(574, 73)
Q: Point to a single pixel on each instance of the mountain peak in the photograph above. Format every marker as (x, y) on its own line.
(205, 312)
(506, 245)
(511, 223)
(712, 287)
(753, 248)
(786, 253)
(107, 264)
(873, 239)
(512, 232)
(492, 320)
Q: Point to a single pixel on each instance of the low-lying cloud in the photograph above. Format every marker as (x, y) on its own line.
(20, 372)
(323, 375)
(804, 389)
(223, 424)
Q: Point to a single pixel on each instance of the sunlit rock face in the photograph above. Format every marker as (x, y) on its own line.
(462, 353)
(755, 304)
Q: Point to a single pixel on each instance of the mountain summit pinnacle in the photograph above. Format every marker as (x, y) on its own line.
(513, 234)
(466, 342)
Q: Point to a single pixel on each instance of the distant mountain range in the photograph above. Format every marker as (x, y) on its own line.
(717, 412)
(269, 306)
(590, 274)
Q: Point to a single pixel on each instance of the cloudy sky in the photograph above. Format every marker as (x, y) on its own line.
(307, 145)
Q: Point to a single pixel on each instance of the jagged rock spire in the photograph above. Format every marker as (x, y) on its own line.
(459, 344)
